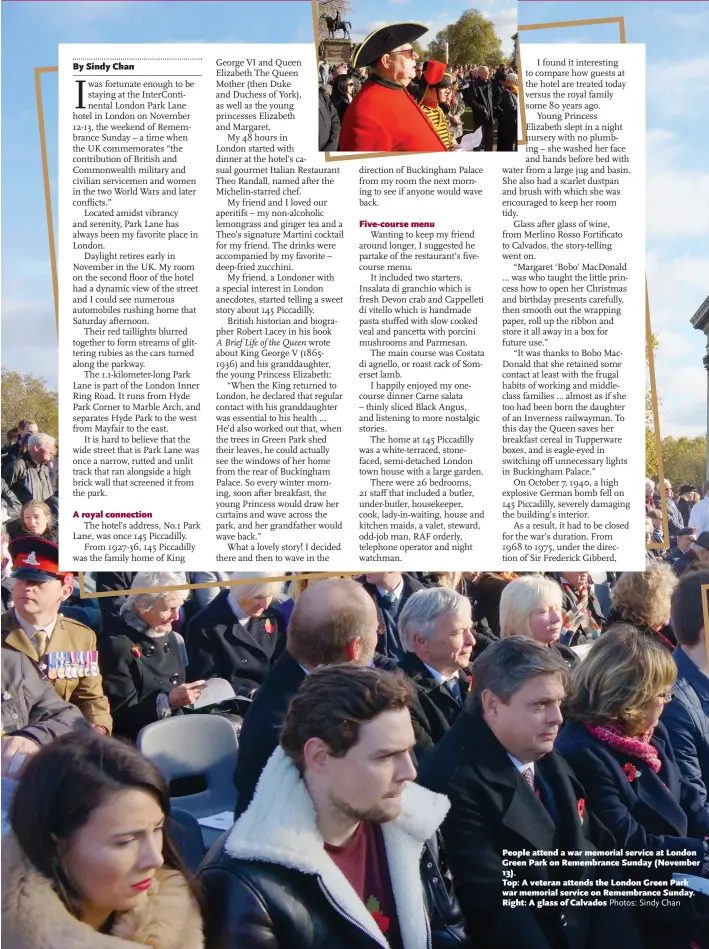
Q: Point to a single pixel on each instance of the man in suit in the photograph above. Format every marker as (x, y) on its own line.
(64, 649)
(333, 621)
(435, 627)
(509, 791)
(238, 636)
(390, 591)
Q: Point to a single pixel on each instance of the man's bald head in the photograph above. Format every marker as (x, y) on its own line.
(333, 621)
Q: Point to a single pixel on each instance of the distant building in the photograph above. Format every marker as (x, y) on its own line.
(700, 321)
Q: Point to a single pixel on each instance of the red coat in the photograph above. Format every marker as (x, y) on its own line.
(385, 118)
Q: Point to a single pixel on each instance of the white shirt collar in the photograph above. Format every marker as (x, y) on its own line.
(396, 593)
(441, 678)
(519, 765)
(236, 609)
(29, 629)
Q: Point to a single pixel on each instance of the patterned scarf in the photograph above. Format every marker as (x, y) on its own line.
(611, 734)
(578, 617)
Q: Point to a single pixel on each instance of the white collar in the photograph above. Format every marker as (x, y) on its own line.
(439, 677)
(236, 609)
(395, 593)
(519, 765)
(30, 630)
(280, 826)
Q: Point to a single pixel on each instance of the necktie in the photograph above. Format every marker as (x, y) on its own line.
(453, 686)
(528, 776)
(40, 642)
(389, 597)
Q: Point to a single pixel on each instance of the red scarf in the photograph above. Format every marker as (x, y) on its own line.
(612, 735)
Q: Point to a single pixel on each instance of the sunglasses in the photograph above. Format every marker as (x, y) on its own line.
(409, 53)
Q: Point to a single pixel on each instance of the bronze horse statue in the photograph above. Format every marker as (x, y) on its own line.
(335, 24)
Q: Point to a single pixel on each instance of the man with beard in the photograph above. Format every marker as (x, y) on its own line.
(383, 117)
(329, 853)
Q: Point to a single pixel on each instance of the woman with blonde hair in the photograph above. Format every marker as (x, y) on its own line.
(530, 606)
(643, 601)
(622, 755)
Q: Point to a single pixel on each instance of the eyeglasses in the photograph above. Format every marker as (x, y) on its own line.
(409, 53)
(667, 696)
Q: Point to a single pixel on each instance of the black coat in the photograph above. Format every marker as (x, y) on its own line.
(110, 606)
(493, 809)
(388, 643)
(262, 726)
(219, 645)
(328, 124)
(435, 709)
(641, 814)
(482, 99)
(133, 682)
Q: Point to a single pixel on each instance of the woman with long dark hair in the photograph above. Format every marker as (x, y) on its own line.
(343, 92)
(89, 863)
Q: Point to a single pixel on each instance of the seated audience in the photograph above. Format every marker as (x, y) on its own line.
(329, 852)
(141, 662)
(89, 863)
(686, 717)
(239, 635)
(510, 791)
(333, 621)
(390, 591)
(435, 627)
(643, 601)
(531, 606)
(33, 715)
(621, 753)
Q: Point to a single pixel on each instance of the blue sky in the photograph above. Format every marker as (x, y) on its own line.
(677, 179)
(678, 142)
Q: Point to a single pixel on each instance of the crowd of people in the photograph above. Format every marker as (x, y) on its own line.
(687, 524)
(385, 100)
(398, 733)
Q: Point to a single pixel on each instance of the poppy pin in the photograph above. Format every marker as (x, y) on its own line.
(581, 806)
(470, 681)
(268, 626)
(630, 771)
(136, 652)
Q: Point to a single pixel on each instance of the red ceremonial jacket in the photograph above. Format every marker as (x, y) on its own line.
(383, 117)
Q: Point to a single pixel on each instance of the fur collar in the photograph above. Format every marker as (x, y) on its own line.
(280, 827)
(33, 916)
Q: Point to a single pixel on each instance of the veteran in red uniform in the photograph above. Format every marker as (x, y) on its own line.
(383, 117)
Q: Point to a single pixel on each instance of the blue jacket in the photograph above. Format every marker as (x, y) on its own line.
(642, 814)
(686, 719)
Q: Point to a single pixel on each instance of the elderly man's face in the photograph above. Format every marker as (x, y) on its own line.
(484, 74)
(400, 65)
(685, 542)
(42, 454)
(451, 645)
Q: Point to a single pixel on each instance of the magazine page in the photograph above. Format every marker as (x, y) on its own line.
(316, 297)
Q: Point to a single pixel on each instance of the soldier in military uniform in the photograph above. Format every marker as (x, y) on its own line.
(64, 649)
